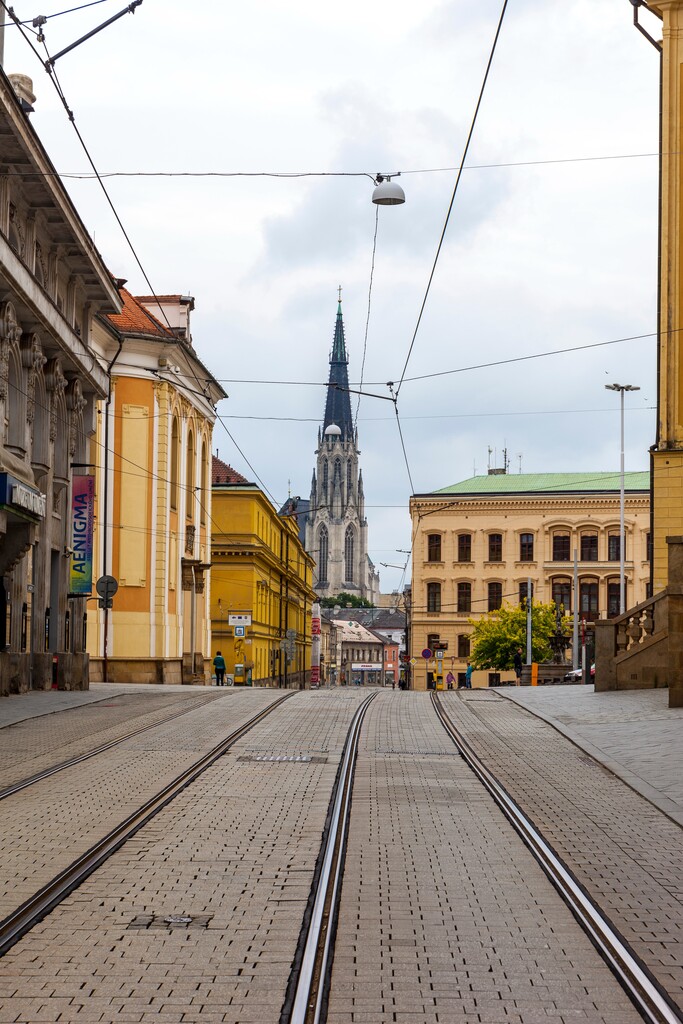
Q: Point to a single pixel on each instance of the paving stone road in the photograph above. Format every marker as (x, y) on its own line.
(621, 846)
(236, 852)
(445, 917)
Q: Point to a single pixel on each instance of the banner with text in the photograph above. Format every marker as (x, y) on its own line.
(82, 520)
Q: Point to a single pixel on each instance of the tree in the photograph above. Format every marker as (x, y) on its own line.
(345, 600)
(495, 638)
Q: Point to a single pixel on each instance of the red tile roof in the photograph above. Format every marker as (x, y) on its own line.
(222, 473)
(160, 298)
(135, 319)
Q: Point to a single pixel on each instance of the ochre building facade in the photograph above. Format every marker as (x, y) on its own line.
(478, 543)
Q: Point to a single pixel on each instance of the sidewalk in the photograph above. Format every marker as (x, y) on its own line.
(633, 733)
(18, 707)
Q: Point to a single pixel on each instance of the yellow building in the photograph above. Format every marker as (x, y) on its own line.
(478, 543)
(261, 584)
(152, 461)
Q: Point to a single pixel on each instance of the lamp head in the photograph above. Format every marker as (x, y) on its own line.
(387, 192)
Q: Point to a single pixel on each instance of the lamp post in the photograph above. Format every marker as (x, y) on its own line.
(621, 388)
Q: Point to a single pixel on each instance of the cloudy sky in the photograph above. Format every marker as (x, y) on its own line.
(551, 243)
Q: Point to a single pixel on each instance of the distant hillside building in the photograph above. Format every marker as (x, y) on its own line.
(336, 530)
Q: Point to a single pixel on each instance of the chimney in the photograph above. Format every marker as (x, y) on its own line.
(23, 87)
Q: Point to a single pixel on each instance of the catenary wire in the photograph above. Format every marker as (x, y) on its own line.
(455, 190)
(57, 14)
(367, 319)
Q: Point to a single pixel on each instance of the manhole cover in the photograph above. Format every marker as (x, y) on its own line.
(283, 758)
(177, 919)
(166, 921)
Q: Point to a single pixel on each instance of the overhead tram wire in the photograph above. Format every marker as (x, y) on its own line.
(367, 319)
(49, 68)
(455, 191)
(86, 176)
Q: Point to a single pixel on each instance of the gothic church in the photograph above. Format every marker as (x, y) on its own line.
(336, 532)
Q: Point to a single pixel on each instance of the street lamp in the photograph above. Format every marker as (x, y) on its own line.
(622, 533)
(388, 192)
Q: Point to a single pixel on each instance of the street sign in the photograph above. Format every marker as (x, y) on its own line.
(106, 587)
(413, 661)
(426, 654)
(239, 630)
(439, 655)
(239, 618)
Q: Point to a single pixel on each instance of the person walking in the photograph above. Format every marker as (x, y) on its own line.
(219, 668)
(450, 679)
(517, 662)
(468, 676)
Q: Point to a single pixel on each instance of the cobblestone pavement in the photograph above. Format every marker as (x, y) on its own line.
(38, 743)
(619, 845)
(17, 707)
(445, 917)
(236, 852)
(48, 825)
(634, 733)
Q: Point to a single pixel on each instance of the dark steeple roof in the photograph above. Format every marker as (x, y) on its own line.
(338, 405)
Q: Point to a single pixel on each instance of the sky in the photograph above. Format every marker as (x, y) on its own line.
(551, 243)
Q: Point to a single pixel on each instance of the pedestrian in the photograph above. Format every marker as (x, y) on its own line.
(450, 679)
(517, 662)
(219, 666)
(468, 676)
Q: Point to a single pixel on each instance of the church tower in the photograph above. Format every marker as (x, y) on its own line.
(336, 527)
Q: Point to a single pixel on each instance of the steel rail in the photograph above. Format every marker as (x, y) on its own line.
(651, 1000)
(316, 958)
(70, 762)
(42, 902)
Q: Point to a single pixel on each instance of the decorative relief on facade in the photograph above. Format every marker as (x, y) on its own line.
(55, 383)
(187, 575)
(190, 532)
(33, 360)
(75, 403)
(10, 332)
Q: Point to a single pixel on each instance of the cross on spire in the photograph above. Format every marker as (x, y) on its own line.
(339, 289)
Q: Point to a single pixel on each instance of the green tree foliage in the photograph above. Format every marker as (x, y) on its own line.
(345, 600)
(496, 637)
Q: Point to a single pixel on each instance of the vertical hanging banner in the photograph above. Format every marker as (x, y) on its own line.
(315, 644)
(82, 520)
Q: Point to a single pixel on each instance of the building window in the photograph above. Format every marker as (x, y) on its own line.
(464, 547)
(348, 555)
(323, 553)
(613, 599)
(174, 463)
(589, 547)
(523, 587)
(495, 547)
(325, 478)
(562, 594)
(464, 645)
(434, 547)
(648, 547)
(190, 481)
(495, 596)
(348, 481)
(494, 678)
(588, 598)
(462, 679)
(433, 597)
(614, 547)
(464, 597)
(432, 640)
(526, 547)
(561, 547)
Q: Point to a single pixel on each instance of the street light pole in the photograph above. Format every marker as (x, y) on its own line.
(621, 388)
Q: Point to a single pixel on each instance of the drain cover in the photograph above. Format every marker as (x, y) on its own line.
(167, 921)
(177, 919)
(283, 758)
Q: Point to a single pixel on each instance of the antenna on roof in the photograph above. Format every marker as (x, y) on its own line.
(519, 456)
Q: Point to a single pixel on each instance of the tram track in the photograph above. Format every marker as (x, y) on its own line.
(31, 780)
(635, 977)
(305, 1002)
(33, 910)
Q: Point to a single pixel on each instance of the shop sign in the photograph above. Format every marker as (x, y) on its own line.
(21, 496)
(366, 666)
(82, 521)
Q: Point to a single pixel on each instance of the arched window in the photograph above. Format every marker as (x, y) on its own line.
(189, 480)
(174, 463)
(495, 547)
(349, 481)
(325, 479)
(204, 496)
(349, 574)
(433, 597)
(526, 547)
(323, 552)
(464, 597)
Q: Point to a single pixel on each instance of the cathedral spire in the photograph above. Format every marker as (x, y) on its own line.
(338, 405)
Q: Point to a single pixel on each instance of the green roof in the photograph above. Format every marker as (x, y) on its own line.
(548, 483)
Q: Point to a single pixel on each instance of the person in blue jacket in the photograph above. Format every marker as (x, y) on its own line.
(219, 668)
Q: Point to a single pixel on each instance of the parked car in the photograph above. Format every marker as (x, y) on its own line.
(576, 674)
